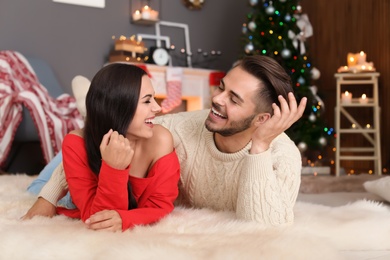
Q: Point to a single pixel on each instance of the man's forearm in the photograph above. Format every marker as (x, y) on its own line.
(56, 187)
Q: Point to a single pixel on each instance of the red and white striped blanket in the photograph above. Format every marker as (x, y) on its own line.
(53, 118)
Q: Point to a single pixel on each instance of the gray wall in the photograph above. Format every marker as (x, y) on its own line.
(77, 40)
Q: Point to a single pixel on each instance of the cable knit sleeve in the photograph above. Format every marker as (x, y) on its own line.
(56, 187)
(269, 184)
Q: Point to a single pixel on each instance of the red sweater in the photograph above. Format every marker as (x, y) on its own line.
(154, 194)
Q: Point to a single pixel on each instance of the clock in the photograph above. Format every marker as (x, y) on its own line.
(159, 56)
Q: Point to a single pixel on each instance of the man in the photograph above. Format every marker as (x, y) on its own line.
(234, 156)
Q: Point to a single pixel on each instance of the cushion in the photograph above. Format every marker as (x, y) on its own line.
(27, 131)
(380, 187)
(80, 86)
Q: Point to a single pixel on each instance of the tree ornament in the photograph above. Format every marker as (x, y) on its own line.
(299, 9)
(286, 53)
(301, 80)
(314, 91)
(302, 146)
(249, 48)
(244, 29)
(306, 28)
(315, 73)
(270, 10)
(252, 26)
(253, 2)
(322, 141)
(312, 118)
(287, 18)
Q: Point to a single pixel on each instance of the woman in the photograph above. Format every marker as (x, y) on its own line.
(121, 169)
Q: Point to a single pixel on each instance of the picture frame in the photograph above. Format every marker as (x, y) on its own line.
(89, 3)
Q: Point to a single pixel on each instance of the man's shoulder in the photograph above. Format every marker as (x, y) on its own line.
(197, 115)
(283, 138)
(285, 143)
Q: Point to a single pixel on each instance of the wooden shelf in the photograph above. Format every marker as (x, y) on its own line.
(373, 151)
(144, 22)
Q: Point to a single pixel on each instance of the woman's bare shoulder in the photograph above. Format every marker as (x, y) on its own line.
(162, 140)
(161, 134)
(78, 132)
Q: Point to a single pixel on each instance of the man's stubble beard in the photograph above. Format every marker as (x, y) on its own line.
(234, 128)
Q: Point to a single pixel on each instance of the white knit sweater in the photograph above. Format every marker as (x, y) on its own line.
(261, 187)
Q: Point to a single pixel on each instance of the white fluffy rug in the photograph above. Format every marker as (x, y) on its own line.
(319, 232)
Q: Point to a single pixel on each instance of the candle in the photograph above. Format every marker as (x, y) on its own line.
(361, 58)
(363, 99)
(153, 15)
(346, 97)
(351, 59)
(146, 12)
(343, 69)
(136, 15)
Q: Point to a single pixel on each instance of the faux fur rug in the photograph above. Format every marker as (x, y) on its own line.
(324, 184)
(319, 232)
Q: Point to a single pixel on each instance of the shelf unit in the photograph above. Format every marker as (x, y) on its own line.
(371, 152)
(138, 5)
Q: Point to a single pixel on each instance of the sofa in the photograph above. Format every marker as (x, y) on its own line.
(26, 155)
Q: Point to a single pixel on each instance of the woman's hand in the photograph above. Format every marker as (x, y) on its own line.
(283, 117)
(109, 220)
(41, 207)
(116, 150)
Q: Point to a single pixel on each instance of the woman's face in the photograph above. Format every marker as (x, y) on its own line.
(147, 108)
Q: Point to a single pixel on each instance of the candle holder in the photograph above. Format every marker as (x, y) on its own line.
(145, 12)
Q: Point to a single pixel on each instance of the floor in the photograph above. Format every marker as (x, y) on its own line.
(335, 199)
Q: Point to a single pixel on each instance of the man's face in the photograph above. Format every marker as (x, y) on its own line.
(233, 109)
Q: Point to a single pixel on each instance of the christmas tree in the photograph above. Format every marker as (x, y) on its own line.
(279, 29)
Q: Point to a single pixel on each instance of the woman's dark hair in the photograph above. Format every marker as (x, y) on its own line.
(111, 103)
(275, 80)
